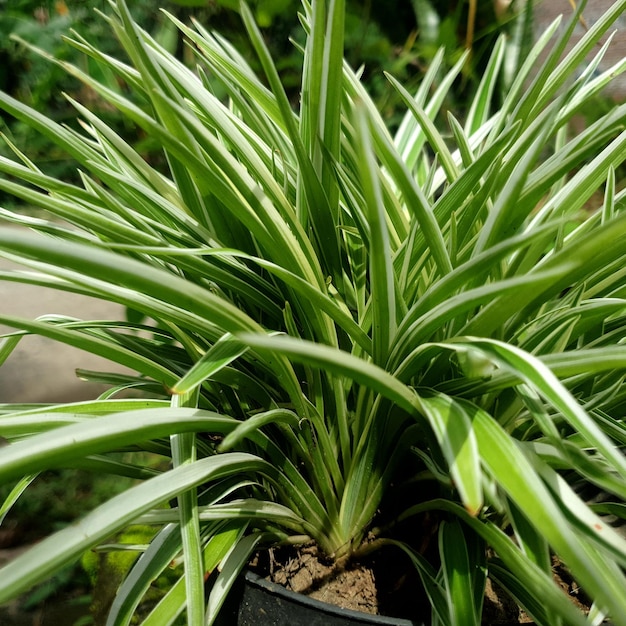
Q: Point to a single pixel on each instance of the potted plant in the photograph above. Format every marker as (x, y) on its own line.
(345, 339)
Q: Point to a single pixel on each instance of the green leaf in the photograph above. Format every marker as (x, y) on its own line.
(381, 267)
(161, 551)
(108, 432)
(223, 538)
(453, 430)
(455, 565)
(221, 354)
(478, 113)
(230, 568)
(184, 452)
(254, 423)
(14, 495)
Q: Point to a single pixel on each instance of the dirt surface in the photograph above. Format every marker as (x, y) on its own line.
(384, 584)
(352, 587)
(500, 608)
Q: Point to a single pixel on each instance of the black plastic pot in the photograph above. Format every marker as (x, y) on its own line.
(263, 603)
(257, 602)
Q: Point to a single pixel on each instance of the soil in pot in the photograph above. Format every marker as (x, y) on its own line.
(378, 585)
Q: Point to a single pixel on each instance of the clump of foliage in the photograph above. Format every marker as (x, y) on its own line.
(334, 313)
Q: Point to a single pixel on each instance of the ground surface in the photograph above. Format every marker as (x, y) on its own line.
(42, 370)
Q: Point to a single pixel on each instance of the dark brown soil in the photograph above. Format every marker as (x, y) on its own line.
(384, 584)
(352, 587)
(500, 608)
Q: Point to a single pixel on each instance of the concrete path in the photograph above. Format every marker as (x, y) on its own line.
(548, 10)
(42, 370)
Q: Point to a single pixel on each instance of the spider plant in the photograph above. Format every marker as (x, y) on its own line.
(332, 314)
